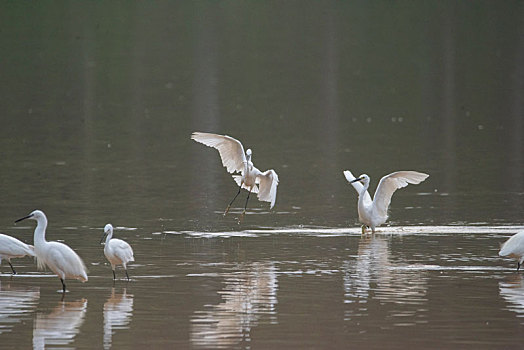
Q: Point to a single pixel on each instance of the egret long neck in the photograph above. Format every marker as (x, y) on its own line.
(109, 236)
(39, 236)
(362, 194)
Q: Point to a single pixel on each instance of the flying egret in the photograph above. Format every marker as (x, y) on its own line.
(235, 161)
(11, 247)
(60, 258)
(117, 251)
(373, 213)
(514, 248)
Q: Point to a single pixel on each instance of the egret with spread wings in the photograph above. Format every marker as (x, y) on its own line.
(236, 161)
(373, 213)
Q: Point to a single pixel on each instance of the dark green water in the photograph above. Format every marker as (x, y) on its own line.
(97, 104)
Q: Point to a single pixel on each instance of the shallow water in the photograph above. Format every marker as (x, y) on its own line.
(98, 103)
(271, 288)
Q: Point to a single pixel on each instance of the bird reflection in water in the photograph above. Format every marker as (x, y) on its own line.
(512, 290)
(375, 278)
(59, 327)
(16, 304)
(118, 311)
(249, 294)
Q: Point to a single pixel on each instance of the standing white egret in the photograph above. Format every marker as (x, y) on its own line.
(235, 161)
(514, 248)
(60, 258)
(117, 251)
(11, 247)
(373, 213)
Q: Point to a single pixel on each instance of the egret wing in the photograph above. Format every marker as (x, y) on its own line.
(268, 182)
(60, 257)
(514, 246)
(123, 250)
(13, 247)
(230, 149)
(358, 186)
(392, 182)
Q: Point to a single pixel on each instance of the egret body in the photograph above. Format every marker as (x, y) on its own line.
(11, 247)
(60, 258)
(373, 213)
(117, 251)
(514, 248)
(236, 161)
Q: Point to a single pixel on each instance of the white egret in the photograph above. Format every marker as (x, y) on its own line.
(373, 213)
(235, 161)
(11, 247)
(514, 248)
(60, 258)
(117, 251)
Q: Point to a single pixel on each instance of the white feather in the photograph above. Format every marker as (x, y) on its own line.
(392, 182)
(230, 149)
(268, 187)
(514, 247)
(374, 212)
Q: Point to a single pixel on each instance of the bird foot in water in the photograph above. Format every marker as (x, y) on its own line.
(241, 218)
(227, 210)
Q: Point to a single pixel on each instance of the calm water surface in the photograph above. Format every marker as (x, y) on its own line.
(98, 103)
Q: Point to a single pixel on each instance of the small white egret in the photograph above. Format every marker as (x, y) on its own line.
(235, 161)
(373, 213)
(117, 251)
(11, 247)
(60, 258)
(514, 248)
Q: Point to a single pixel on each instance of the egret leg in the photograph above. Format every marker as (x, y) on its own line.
(127, 275)
(229, 206)
(63, 285)
(518, 266)
(372, 230)
(363, 229)
(114, 275)
(12, 268)
(245, 207)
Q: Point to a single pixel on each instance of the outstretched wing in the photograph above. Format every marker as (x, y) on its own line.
(358, 186)
(267, 187)
(230, 149)
(392, 182)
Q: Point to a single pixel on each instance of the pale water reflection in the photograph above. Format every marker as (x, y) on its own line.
(99, 100)
(60, 326)
(249, 297)
(118, 312)
(17, 304)
(512, 290)
(374, 277)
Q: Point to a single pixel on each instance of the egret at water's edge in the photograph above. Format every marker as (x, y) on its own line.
(117, 251)
(60, 258)
(236, 161)
(11, 247)
(514, 248)
(373, 213)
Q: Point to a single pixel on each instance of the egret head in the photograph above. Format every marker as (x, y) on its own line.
(108, 231)
(35, 215)
(248, 154)
(364, 179)
(108, 228)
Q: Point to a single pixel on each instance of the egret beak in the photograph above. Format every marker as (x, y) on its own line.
(357, 179)
(103, 236)
(25, 217)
